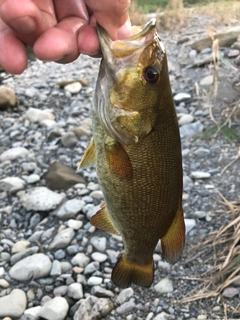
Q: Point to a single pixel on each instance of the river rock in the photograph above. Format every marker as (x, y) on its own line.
(74, 87)
(124, 295)
(62, 239)
(14, 304)
(99, 243)
(75, 291)
(32, 267)
(164, 286)
(80, 260)
(191, 130)
(55, 309)
(7, 97)
(20, 246)
(14, 153)
(60, 176)
(230, 292)
(93, 308)
(182, 96)
(206, 81)
(40, 199)
(69, 209)
(185, 119)
(31, 313)
(37, 115)
(69, 140)
(9, 183)
(200, 175)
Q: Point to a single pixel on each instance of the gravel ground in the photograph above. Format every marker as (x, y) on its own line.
(53, 263)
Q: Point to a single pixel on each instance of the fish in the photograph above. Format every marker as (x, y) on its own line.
(136, 147)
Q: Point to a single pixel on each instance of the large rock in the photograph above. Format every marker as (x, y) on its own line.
(40, 199)
(14, 153)
(69, 209)
(93, 308)
(7, 97)
(55, 309)
(62, 239)
(37, 115)
(9, 183)
(14, 304)
(225, 39)
(61, 177)
(35, 266)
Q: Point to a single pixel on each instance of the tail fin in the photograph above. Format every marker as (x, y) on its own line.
(127, 272)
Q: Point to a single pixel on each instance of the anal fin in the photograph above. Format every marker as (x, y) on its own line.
(173, 241)
(102, 220)
(117, 158)
(127, 272)
(89, 157)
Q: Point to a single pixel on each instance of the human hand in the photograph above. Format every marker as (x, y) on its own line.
(57, 30)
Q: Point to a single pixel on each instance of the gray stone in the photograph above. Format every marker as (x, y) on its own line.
(33, 267)
(191, 130)
(94, 281)
(230, 292)
(185, 119)
(14, 304)
(32, 313)
(9, 183)
(62, 239)
(75, 291)
(40, 199)
(37, 115)
(126, 307)
(80, 260)
(69, 209)
(201, 152)
(60, 291)
(189, 224)
(4, 283)
(93, 308)
(200, 175)
(56, 268)
(32, 178)
(69, 140)
(74, 87)
(233, 53)
(182, 96)
(100, 292)
(98, 256)
(124, 295)
(206, 81)
(99, 243)
(75, 224)
(55, 309)
(200, 214)
(187, 182)
(164, 286)
(23, 254)
(14, 153)
(92, 267)
(162, 316)
(96, 194)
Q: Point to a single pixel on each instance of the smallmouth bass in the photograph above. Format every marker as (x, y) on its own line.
(137, 149)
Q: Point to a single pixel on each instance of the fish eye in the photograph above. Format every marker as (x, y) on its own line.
(151, 74)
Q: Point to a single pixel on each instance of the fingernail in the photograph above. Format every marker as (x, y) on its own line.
(24, 25)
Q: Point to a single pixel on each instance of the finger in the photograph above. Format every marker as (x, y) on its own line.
(88, 42)
(28, 18)
(71, 8)
(13, 57)
(59, 43)
(112, 16)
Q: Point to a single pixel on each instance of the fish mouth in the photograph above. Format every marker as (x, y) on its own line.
(125, 47)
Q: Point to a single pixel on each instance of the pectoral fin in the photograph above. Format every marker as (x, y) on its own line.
(173, 241)
(117, 158)
(102, 220)
(89, 157)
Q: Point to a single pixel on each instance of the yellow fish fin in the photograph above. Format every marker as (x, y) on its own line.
(127, 272)
(89, 157)
(173, 241)
(117, 158)
(102, 220)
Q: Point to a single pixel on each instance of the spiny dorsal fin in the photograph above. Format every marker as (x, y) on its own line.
(89, 157)
(102, 220)
(173, 241)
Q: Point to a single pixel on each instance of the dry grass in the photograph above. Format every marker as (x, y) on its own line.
(225, 247)
(173, 16)
(136, 15)
(222, 12)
